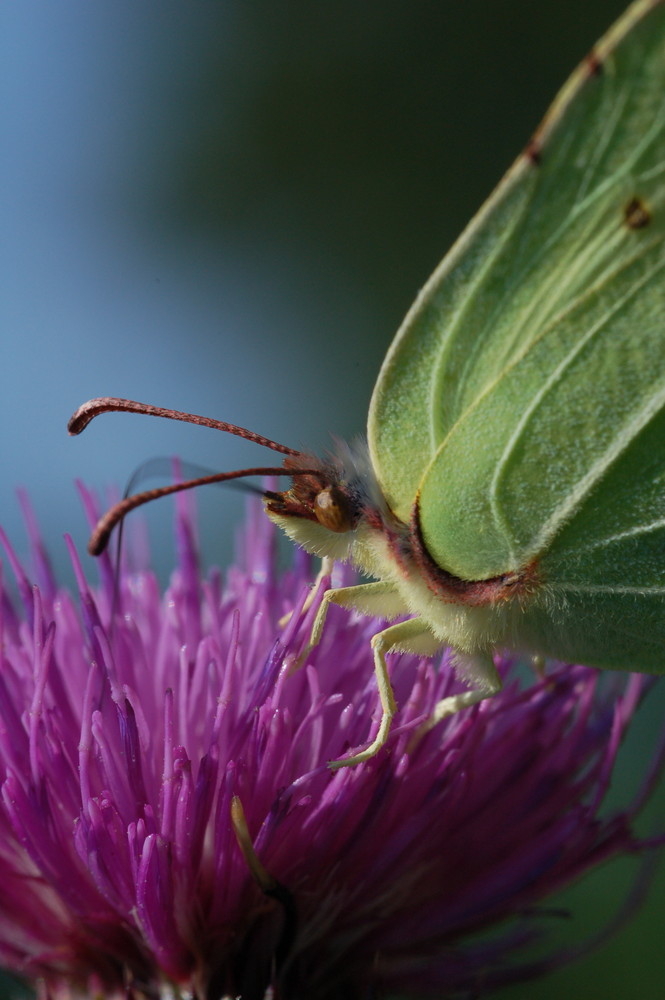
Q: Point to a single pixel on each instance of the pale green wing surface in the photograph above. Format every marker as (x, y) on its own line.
(613, 631)
(535, 352)
(518, 466)
(604, 576)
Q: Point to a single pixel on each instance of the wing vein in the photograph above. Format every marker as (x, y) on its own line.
(611, 124)
(603, 588)
(563, 512)
(636, 532)
(469, 296)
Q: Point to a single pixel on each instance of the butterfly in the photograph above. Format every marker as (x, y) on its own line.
(511, 493)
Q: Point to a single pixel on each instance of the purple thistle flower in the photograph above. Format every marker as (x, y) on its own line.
(126, 748)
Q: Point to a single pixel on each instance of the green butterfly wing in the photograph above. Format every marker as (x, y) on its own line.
(522, 400)
(605, 592)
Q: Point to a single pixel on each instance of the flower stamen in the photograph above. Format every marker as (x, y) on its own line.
(266, 882)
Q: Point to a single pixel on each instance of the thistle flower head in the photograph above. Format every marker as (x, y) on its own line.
(169, 827)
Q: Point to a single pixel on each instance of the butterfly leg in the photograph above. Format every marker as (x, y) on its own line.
(368, 598)
(326, 569)
(478, 670)
(378, 598)
(412, 636)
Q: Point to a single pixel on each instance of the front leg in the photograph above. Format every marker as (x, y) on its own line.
(411, 636)
(380, 599)
(326, 569)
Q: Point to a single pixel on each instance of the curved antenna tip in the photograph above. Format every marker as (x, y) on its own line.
(80, 419)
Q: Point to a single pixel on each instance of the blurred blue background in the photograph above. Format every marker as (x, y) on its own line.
(228, 208)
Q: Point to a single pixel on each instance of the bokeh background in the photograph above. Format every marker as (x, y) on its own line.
(227, 208)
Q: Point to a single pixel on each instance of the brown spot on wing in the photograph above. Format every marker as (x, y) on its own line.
(636, 215)
(533, 152)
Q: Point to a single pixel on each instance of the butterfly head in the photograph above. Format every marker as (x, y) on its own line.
(322, 508)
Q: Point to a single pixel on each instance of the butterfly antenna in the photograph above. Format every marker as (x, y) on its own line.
(100, 536)
(109, 404)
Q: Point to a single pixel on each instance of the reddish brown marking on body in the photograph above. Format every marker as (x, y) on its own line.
(474, 593)
(299, 499)
(374, 519)
(636, 215)
(396, 544)
(394, 531)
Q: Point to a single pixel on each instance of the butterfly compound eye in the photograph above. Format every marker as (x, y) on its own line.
(332, 510)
